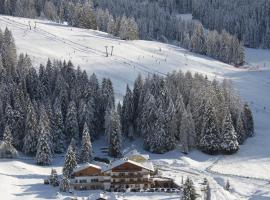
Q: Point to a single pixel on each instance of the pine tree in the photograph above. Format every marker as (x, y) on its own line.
(72, 127)
(128, 114)
(107, 102)
(54, 178)
(197, 42)
(229, 143)
(70, 162)
(88, 19)
(209, 141)
(180, 109)
(187, 131)
(227, 186)
(44, 146)
(9, 54)
(115, 141)
(240, 130)
(31, 137)
(7, 137)
(44, 152)
(58, 126)
(64, 184)
(86, 150)
(189, 192)
(249, 123)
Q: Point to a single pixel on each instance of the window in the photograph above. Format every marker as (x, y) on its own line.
(83, 181)
(122, 174)
(94, 180)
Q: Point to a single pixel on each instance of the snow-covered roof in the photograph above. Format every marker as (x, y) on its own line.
(85, 166)
(146, 165)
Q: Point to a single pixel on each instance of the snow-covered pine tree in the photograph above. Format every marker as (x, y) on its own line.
(128, 114)
(70, 162)
(148, 119)
(133, 29)
(54, 181)
(88, 19)
(170, 125)
(197, 41)
(44, 151)
(248, 122)
(180, 109)
(64, 184)
(240, 129)
(137, 90)
(72, 127)
(119, 109)
(31, 129)
(186, 41)
(229, 143)
(107, 124)
(209, 141)
(115, 142)
(7, 136)
(189, 192)
(107, 102)
(158, 141)
(58, 126)
(86, 149)
(187, 131)
(9, 54)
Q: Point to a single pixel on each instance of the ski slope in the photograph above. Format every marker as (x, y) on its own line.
(248, 170)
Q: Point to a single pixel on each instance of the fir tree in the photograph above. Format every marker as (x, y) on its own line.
(229, 143)
(44, 152)
(86, 151)
(240, 130)
(249, 123)
(64, 184)
(54, 178)
(7, 137)
(70, 162)
(72, 127)
(227, 186)
(197, 42)
(9, 54)
(128, 114)
(209, 142)
(115, 141)
(187, 131)
(189, 192)
(31, 137)
(58, 126)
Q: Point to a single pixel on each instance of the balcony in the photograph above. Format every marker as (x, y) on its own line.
(142, 181)
(130, 175)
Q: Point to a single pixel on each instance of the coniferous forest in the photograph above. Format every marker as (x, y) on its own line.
(141, 19)
(45, 110)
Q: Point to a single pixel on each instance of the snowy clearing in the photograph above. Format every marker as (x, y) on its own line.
(248, 170)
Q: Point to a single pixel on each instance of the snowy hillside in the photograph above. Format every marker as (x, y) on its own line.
(248, 170)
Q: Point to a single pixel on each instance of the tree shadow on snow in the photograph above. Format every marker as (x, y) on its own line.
(259, 195)
(38, 190)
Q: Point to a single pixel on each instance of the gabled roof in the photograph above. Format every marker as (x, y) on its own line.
(147, 165)
(85, 166)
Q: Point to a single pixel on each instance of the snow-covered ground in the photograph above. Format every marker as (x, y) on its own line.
(248, 170)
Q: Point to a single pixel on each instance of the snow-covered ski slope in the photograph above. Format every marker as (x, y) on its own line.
(248, 170)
